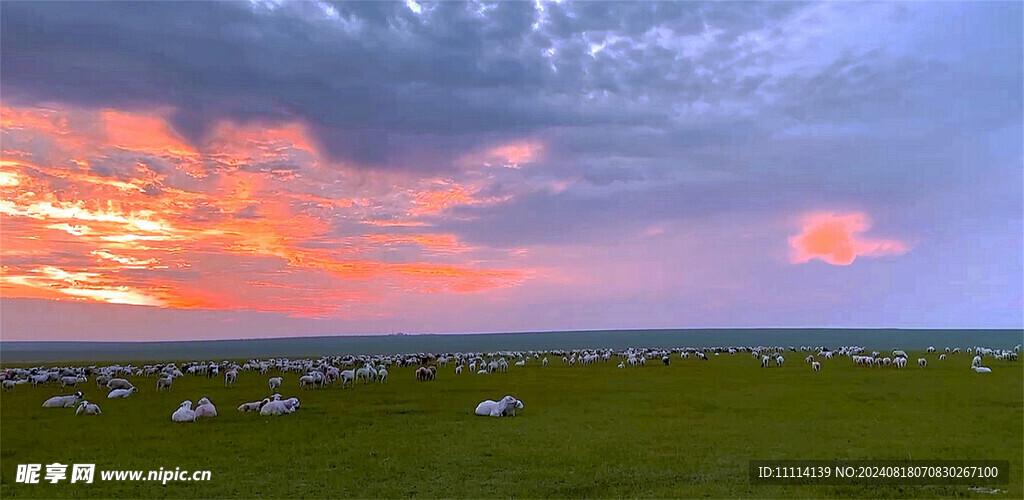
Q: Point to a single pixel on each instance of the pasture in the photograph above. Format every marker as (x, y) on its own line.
(684, 430)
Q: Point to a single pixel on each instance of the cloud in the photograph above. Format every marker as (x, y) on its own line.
(836, 239)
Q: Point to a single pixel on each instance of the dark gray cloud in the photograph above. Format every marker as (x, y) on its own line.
(650, 110)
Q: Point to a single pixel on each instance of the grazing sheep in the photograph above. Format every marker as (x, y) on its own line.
(976, 361)
(63, 401)
(230, 377)
(71, 381)
(779, 360)
(765, 361)
(184, 413)
(276, 382)
(816, 365)
(87, 408)
(119, 383)
(348, 377)
(205, 409)
(922, 362)
(164, 383)
(942, 357)
(423, 374)
(253, 407)
(9, 384)
(121, 393)
(306, 380)
(382, 375)
(665, 360)
(544, 362)
(458, 369)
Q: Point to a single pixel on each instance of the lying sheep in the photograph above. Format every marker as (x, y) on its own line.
(276, 408)
(121, 393)
(504, 408)
(253, 406)
(205, 409)
(87, 408)
(184, 413)
(63, 401)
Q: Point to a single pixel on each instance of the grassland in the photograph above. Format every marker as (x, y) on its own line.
(686, 430)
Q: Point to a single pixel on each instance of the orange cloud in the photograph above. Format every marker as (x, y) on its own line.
(438, 200)
(115, 206)
(836, 239)
(510, 155)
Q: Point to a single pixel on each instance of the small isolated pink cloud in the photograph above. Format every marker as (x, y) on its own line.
(836, 239)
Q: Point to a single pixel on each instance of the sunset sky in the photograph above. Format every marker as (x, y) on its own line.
(252, 169)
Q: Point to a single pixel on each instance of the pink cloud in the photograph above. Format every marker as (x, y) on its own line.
(836, 239)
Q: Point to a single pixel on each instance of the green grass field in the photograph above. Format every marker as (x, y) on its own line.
(686, 430)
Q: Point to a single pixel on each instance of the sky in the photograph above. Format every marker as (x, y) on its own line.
(195, 170)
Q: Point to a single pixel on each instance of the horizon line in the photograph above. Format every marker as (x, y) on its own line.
(525, 332)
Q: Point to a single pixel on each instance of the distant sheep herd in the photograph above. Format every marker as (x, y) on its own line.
(353, 370)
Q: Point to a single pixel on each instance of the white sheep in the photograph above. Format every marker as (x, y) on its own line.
(976, 361)
(87, 408)
(816, 365)
(184, 413)
(981, 369)
(71, 381)
(205, 409)
(489, 408)
(779, 360)
(63, 401)
(253, 406)
(230, 377)
(544, 362)
(382, 375)
(458, 369)
(765, 361)
(276, 382)
(923, 363)
(164, 383)
(121, 393)
(119, 383)
(275, 408)
(306, 380)
(942, 357)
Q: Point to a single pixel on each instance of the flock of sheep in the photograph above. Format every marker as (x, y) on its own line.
(351, 370)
